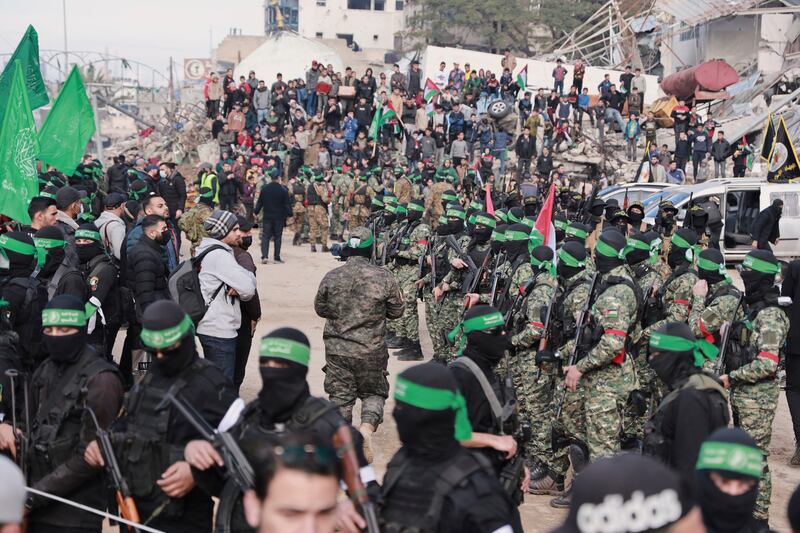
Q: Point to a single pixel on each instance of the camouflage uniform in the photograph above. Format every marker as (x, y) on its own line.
(407, 276)
(433, 204)
(676, 295)
(536, 392)
(608, 376)
(357, 202)
(755, 388)
(318, 198)
(298, 192)
(441, 348)
(191, 223)
(341, 185)
(403, 190)
(356, 299)
(710, 312)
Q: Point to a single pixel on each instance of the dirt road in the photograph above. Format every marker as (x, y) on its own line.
(287, 296)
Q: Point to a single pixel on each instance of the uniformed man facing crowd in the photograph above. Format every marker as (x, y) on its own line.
(356, 299)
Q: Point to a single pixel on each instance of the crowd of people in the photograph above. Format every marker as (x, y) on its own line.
(558, 361)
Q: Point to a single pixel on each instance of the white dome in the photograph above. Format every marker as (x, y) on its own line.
(288, 53)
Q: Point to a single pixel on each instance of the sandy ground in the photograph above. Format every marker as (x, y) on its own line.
(287, 298)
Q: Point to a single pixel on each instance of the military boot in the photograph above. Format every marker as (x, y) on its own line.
(296, 240)
(563, 501)
(538, 471)
(413, 352)
(325, 248)
(389, 335)
(398, 342)
(549, 485)
(795, 460)
(314, 248)
(366, 431)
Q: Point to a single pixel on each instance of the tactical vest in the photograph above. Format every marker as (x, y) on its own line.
(505, 300)
(477, 257)
(656, 308)
(30, 333)
(144, 450)
(360, 196)
(413, 504)
(56, 430)
(739, 351)
(298, 192)
(598, 331)
(312, 195)
(565, 326)
(655, 442)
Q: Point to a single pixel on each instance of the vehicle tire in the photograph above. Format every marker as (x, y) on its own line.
(499, 109)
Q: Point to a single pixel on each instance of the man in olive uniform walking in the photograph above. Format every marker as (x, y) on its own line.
(318, 197)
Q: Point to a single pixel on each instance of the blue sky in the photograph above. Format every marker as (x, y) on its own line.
(149, 31)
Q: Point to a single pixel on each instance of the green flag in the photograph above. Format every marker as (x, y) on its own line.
(376, 123)
(19, 148)
(28, 53)
(68, 127)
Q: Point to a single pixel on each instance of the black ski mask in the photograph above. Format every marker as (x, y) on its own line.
(55, 254)
(610, 243)
(712, 277)
(515, 245)
(168, 333)
(578, 252)
(759, 285)
(66, 311)
(284, 367)
(673, 367)
(682, 241)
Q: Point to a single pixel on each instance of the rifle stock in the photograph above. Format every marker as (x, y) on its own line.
(343, 443)
(719, 366)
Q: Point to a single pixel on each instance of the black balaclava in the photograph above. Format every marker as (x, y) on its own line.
(636, 214)
(359, 243)
(709, 275)
(498, 241)
(577, 232)
(609, 250)
(517, 236)
(164, 326)
(758, 276)
(485, 347)
(66, 311)
(427, 433)
(611, 208)
(637, 255)
(577, 252)
(87, 252)
(620, 221)
(560, 222)
(672, 366)
(283, 389)
(733, 454)
(484, 225)
(683, 239)
(415, 210)
(49, 238)
(515, 215)
(542, 259)
(18, 248)
(455, 221)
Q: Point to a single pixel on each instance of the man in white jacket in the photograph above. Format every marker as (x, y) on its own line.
(223, 284)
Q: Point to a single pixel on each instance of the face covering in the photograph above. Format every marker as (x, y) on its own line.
(162, 173)
(567, 272)
(489, 347)
(636, 256)
(389, 218)
(281, 390)
(87, 252)
(425, 433)
(66, 348)
(247, 242)
(710, 276)
(621, 225)
(670, 366)
(676, 257)
(482, 234)
(636, 217)
(174, 361)
(497, 247)
(55, 256)
(757, 285)
(722, 512)
(606, 264)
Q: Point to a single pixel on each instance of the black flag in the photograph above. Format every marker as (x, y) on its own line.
(769, 139)
(783, 163)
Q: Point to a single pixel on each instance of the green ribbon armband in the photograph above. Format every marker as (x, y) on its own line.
(287, 349)
(730, 457)
(70, 318)
(432, 399)
(701, 349)
(164, 338)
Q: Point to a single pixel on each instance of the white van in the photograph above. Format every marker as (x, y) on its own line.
(740, 200)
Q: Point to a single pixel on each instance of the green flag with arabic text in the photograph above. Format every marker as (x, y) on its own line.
(19, 149)
(68, 127)
(27, 53)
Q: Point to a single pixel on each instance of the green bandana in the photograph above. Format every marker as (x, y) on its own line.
(355, 242)
(63, 318)
(543, 266)
(501, 214)
(449, 198)
(165, 338)
(711, 266)
(432, 399)
(512, 218)
(561, 224)
(442, 220)
(87, 234)
(730, 457)
(754, 263)
(400, 210)
(14, 245)
(680, 242)
(285, 349)
(455, 213)
(482, 220)
(565, 257)
(514, 235)
(390, 200)
(416, 207)
(572, 231)
(209, 194)
(476, 205)
(48, 244)
(377, 202)
(655, 250)
(498, 236)
(607, 250)
(535, 239)
(700, 348)
(46, 194)
(528, 222)
(476, 323)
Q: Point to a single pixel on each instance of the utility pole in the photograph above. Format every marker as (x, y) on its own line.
(171, 86)
(98, 140)
(66, 50)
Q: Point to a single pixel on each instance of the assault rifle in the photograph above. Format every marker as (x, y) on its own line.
(392, 243)
(123, 495)
(585, 215)
(519, 299)
(547, 322)
(21, 440)
(428, 252)
(719, 366)
(495, 278)
(343, 443)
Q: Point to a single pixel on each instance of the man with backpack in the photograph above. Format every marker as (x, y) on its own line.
(223, 284)
(110, 224)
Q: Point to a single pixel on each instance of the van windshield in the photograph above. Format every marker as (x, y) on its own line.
(652, 201)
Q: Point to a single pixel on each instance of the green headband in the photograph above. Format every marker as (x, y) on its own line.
(701, 349)
(442, 220)
(513, 235)
(760, 265)
(63, 317)
(163, 338)
(528, 222)
(455, 213)
(476, 205)
(513, 218)
(432, 399)
(607, 250)
(450, 197)
(415, 207)
(13, 245)
(576, 232)
(535, 239)
(730, 457)
(209, 194)
(356, 242)
(636, 244)
(566, 258)
(376, 201)
(711, 266)
(476, 323)
(498, 236)
(680, 242)
(281, 348)
(48, 244)
(390, 200)
(547, 265)
(46, 194)
(400, 210)
(501, 214)
(485, 221)
(561, 224)
(87, 234)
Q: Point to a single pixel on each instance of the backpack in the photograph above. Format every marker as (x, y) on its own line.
(184, 286)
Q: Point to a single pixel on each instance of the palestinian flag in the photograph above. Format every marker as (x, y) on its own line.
(544, 222)
(746, 146)
(375, 125)
(769, 139)
(522, 77)
(431, 90)
(429, 109)
(389, 113)
(783, 163)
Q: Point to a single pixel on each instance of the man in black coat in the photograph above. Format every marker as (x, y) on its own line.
(148, 273)
(791, 287)
(118, 175)
(173, 190)
(274, 202)
(525, 149)
(766, 228)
